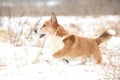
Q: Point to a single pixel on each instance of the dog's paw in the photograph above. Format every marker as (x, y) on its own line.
(65, 61)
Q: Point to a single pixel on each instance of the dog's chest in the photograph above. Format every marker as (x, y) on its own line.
(53, 44)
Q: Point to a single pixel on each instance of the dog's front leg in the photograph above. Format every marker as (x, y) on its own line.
(59, 54)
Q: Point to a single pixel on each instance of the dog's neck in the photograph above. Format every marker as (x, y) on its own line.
(61, 32)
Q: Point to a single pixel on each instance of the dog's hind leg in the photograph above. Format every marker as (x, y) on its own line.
(97, 56)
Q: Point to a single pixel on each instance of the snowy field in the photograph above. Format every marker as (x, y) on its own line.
(22, 56)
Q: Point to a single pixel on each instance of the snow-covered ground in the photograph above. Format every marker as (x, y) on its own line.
(22, 57)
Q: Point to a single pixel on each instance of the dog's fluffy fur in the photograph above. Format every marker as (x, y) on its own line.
(74, 46)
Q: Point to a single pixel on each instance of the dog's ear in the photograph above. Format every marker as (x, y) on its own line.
(54, 19)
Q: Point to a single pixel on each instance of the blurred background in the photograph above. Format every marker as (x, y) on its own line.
(61, 7)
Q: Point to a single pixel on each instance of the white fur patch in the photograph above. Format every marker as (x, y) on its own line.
(52, 45)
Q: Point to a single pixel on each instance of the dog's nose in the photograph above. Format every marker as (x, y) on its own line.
(35, 30)
(41, 35)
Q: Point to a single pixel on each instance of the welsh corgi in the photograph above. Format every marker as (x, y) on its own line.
(74, 46)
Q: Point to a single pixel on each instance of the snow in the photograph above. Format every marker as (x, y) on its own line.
(24, 58)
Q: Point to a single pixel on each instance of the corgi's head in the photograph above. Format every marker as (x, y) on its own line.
(52, 27)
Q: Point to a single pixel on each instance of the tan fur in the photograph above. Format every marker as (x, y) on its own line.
(74, 46)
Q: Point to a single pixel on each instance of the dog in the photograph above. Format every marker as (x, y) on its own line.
(73, 46)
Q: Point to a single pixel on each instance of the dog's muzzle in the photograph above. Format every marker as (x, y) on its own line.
(41, 35)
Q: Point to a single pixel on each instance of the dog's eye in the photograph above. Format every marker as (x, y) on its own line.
(44, 25)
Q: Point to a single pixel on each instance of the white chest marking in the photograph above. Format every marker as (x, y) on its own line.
(52, 44)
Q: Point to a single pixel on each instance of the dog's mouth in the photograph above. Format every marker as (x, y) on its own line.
(42, 35)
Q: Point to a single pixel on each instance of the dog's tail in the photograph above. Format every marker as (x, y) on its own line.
(105, 36)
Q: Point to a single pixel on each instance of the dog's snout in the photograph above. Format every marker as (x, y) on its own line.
(35, 30)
